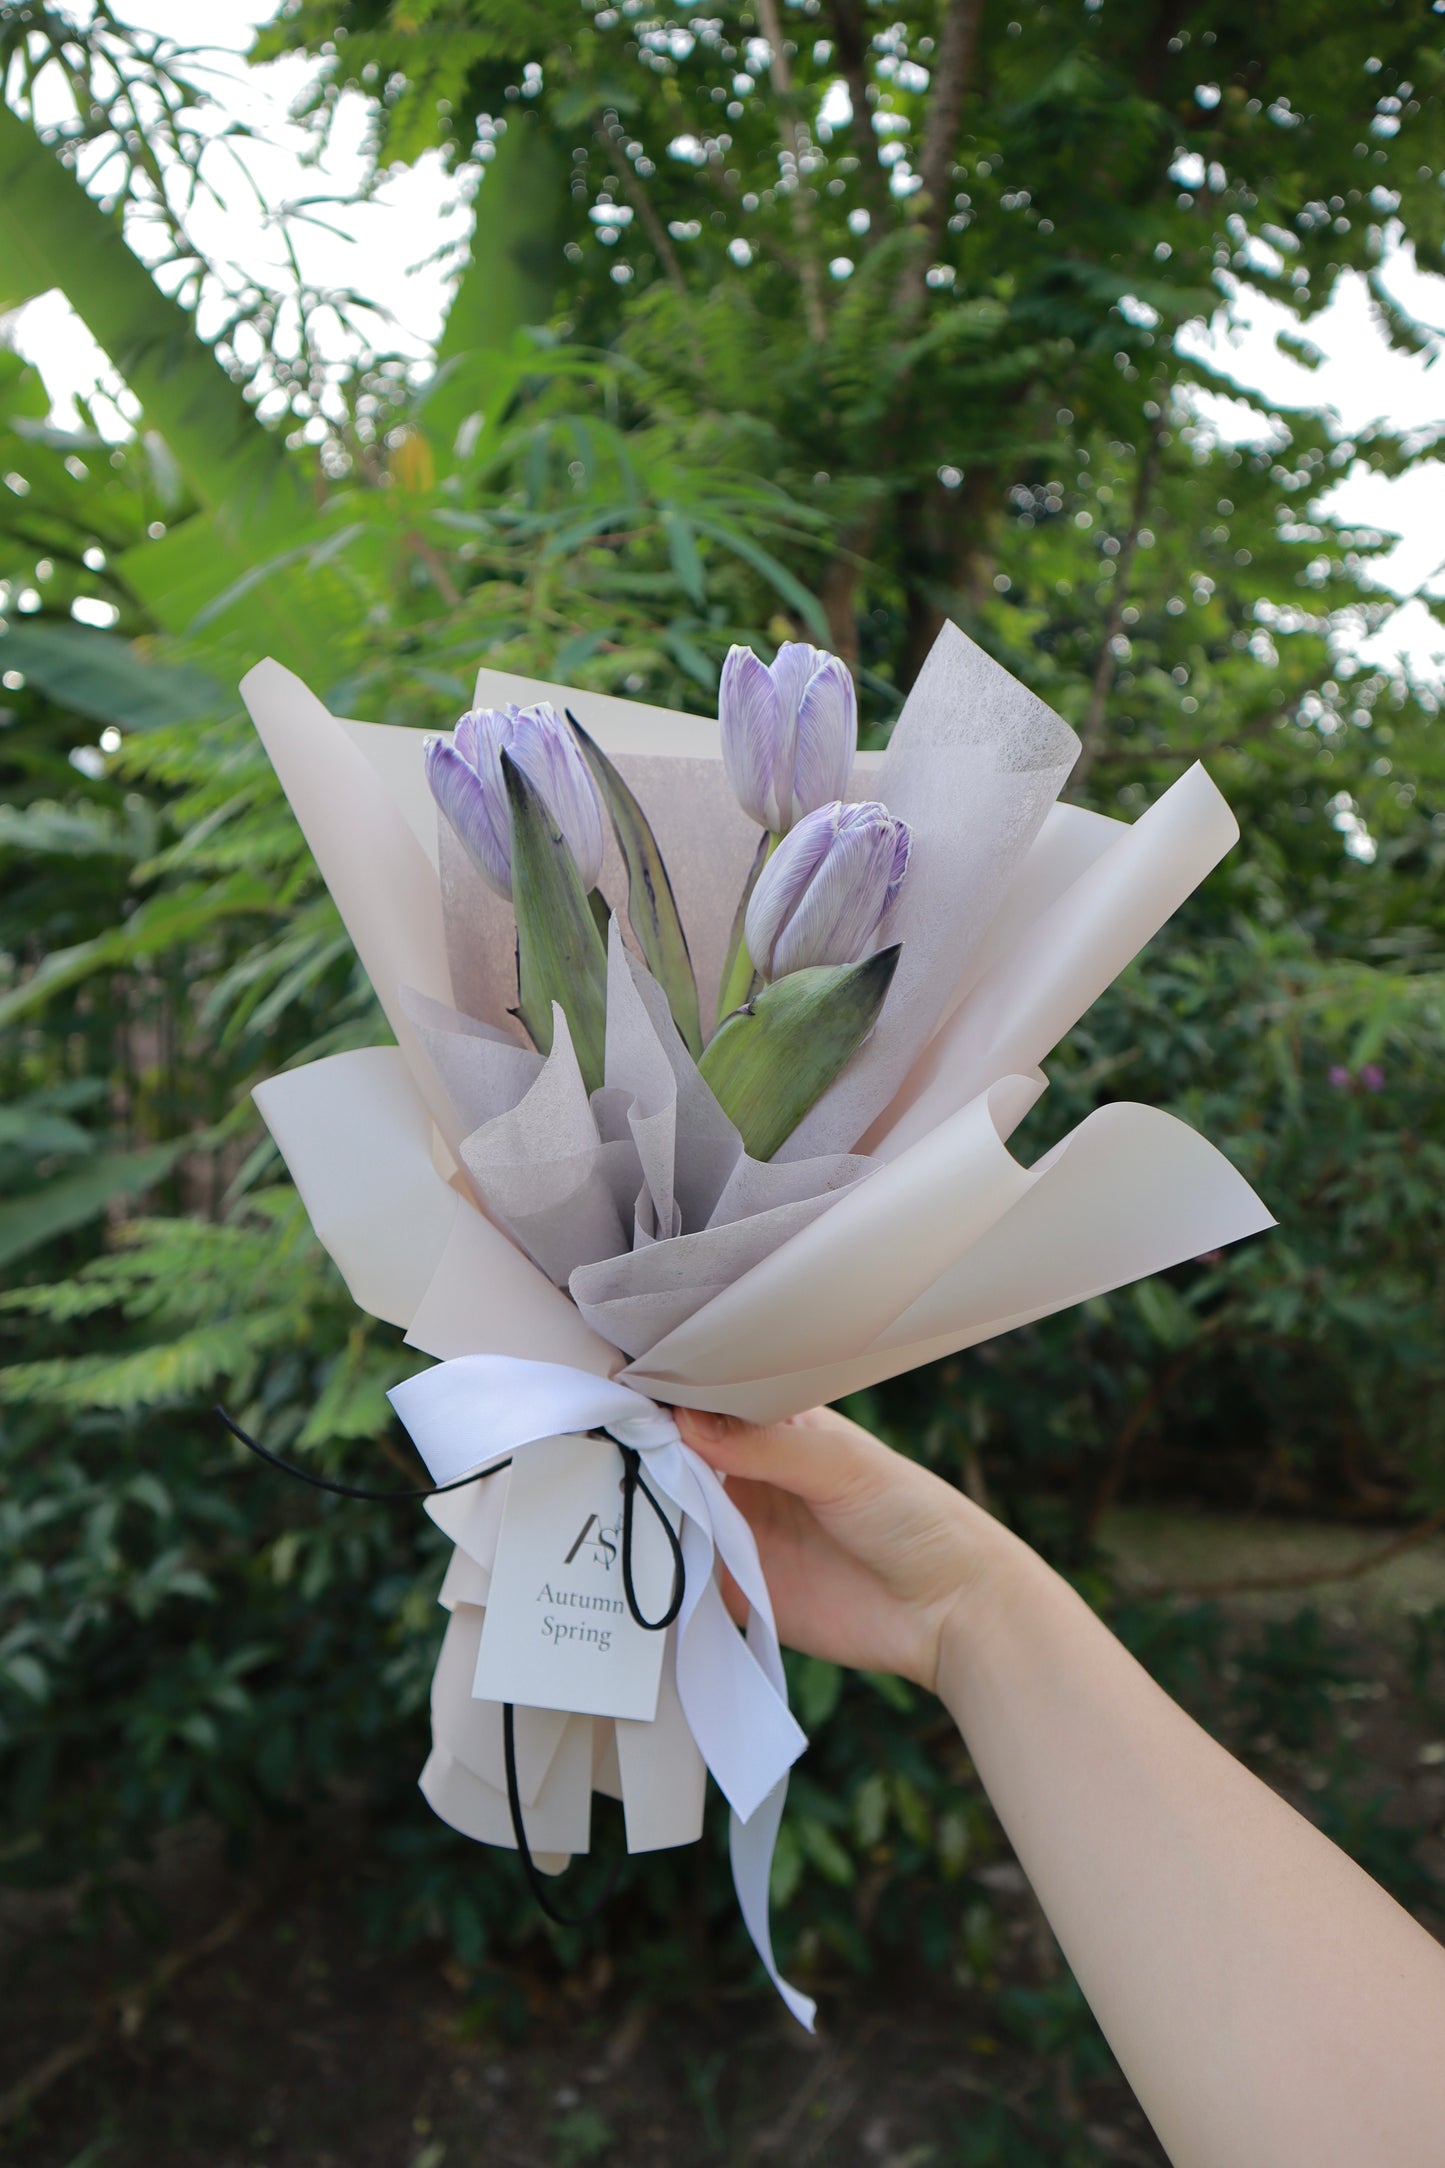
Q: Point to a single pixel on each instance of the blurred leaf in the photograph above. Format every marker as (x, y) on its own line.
(103, 676)
(71, 1200)
(1171, 1322)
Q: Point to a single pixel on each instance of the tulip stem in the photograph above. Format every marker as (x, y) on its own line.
(739, 973)
(738, 983)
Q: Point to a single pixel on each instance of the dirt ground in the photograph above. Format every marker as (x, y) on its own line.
(261, 2031)
(287, 2043)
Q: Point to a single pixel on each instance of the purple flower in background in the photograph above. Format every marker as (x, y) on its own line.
(1341, 1079)
(827, 888)
(1372, 1076)
(789, 731)
(466, 782)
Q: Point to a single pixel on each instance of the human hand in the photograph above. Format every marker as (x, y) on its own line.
(869, 1557)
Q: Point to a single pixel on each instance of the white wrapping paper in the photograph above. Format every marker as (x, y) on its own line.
(473, 1194)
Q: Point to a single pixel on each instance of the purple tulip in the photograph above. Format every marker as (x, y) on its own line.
(466, 782)
(789, 731)
(827, 888)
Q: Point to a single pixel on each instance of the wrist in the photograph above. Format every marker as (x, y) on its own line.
(993, 1562)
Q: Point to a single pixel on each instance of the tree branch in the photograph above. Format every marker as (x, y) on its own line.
(952, 79)
(1310, 1576)
(608, 133)
(851, 39)
(1092, 736)
(122, 2013)
(809, 274)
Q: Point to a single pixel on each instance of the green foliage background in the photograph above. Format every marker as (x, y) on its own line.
(662, 420)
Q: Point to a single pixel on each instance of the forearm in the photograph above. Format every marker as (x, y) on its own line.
(1270, 2005)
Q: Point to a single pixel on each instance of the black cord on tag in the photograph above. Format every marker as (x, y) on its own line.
(352, 1490)
(535, 1880)
(632, 1483)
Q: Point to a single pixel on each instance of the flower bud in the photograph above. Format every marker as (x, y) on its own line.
(789, 731)
(827, 889)
(773, 1059)
(466, 782)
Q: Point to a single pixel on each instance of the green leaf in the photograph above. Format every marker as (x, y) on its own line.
(108, 678)
(819, 1688)
(303, 619)
(787, 1870)
(1170, 1320)
(79, 830)
(895, 1691)
(790, 589)
(560, 956)
(170, 916)
(39, 1131)
(76, 1198)
(770, 1061)
(29, 1674)
(826, 1853)
(683, 551)
(651, 905)
(55, 234)
(579, 649)
(684, 650)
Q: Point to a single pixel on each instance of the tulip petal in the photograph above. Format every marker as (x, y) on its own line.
(748, 715)
(792, 667)
(540, 744)
(902, 851)
(543, 747)
(822, 895)
(837, 916)
(472, 812)
(782, 884)
(827, 737)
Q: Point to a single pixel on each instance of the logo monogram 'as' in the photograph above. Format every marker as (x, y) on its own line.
(602, 1545)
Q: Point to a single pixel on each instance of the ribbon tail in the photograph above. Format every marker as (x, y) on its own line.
(732, 1690)
(752, 1722)
(744, 1729)
(751, 1844)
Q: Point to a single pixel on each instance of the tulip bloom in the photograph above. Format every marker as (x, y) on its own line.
(466, 782)
(789, 731)
(827, 888)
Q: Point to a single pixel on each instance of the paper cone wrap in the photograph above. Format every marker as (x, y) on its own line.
(471, 1193)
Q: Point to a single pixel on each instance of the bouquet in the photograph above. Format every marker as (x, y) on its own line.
(710, 1039)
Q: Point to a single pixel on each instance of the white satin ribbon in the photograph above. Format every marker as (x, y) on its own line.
(482, 1408)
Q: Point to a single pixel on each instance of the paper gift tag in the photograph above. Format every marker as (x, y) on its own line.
(558, 1633)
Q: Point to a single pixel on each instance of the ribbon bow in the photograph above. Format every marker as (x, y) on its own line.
(732, 1688)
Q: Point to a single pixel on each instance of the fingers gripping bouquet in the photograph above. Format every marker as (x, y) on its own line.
(710, 1042)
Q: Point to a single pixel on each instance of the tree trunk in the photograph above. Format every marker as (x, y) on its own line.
(950, 578)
